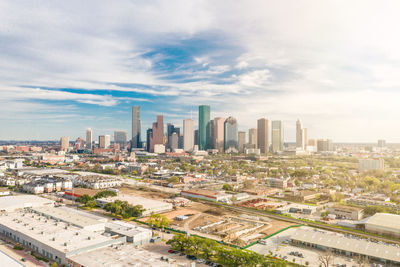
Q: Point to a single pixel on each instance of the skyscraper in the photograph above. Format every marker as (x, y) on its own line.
(241, 141)
(89, 138)
(104, 141)
(253, 137)
(120, 138)
(277, 136)
(219, 134)
(204, 127)
(157, 135)
(196, 137)
(149, 132)
(299, 135)
(211, 144)
(188, 134)
(230, 135)
(173, 141)
(304, 136)
(136, 127)
(64, 143)
(262, 135)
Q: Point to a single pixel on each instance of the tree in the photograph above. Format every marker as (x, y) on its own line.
(157, 220)
(91, 204)
(84, 199)
(105, 193)
(326, 258)
(227, 187)
(173, 179)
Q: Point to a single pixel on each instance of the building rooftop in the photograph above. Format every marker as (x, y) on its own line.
(384, 220)
(125, 229)
(137, 200)
(11, 203)
(347, 208)
(203, 192)
(121, 256)
(7, 260)
(60, 236)
(359, 246)
(77, 219)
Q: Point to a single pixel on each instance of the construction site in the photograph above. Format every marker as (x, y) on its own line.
(262, 204)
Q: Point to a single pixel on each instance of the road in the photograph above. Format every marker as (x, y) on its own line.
(297, 221)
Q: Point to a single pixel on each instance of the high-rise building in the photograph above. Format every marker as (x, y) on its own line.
(174, 139)
(104, 141)
(136, 127)
(381, 143)
(277, 136)
(241, 141)
(196, 137)
(204, 127)
(304, 137)
(230, 135)
(324, 145)
(253, 137)
(212, 126)
(120, 137)
(79, 143)
(157, 136)
(64, 143)
(299, 135)
(149, 133)
(89, 138)
(188, 134)
(262, 135)
(219, 134)
(170, 130)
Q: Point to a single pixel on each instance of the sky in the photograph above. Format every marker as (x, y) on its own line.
(69, 65)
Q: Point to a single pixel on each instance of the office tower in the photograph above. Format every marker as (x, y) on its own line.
(253, 138)
(312, 142)
(304, 137)
(170, 130)
(188, 134)
(136, 127)
(324, 145)
(230, 135)
(241, 141)
(174, 139)
(299, 135)
(277, 136)
(120, 137)
(64, 143)
(219, 134)
(381, 143)
(204, 127)
(148, 137)
(104, 141)
(79, 143)
(196, 137)
(89, 138)
(262, 135)
(211, 144)
(157, 136)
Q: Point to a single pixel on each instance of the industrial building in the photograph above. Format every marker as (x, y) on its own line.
(134, 234)
(207, 195)
(351, 247)
(347, 212)
(382, 223)
(12, 203)
(150, 205)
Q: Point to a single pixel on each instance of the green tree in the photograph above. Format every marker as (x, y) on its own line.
(227, 187)
(157, 220)
(174, 179)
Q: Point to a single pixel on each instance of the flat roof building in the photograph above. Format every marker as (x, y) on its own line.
(12, 203)
(383, 223)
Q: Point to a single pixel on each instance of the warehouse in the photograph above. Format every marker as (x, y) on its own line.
(136, 235)
(150, 205)
(51, 238)
(352, 247)
(12, 203)
(207, 195)
(347, 212)
(382, 223)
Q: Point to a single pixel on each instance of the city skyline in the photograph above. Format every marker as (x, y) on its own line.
(330, 65)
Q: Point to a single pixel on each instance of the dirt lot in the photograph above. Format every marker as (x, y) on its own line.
(145, 192)
(276, 226)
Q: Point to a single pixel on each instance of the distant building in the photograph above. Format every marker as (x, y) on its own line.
(347, 212)
(120, 137)
(381, 143)
(277, 136)
(383, 223)
(188, 134)
(79, 143)
(204, 127)
(173, 141)
(104, 141)
(253, 137)
(207, 194)
(157, 135)
(219, 134)
(299, 135)
(371, 164)
(230, 135)
(64, 143)
(262, 135)
(89, 138)
(241, 141)
(196, 138)
(324, 145)
(136, 127)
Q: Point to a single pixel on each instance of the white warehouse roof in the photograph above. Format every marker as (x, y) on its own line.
(12, 203)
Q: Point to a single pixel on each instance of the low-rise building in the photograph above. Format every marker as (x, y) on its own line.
(347, 212)
(207, 195)
(134, 234)
(383, 223)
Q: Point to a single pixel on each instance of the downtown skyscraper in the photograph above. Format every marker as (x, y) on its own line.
(277, 136)
(136, 127)
(89, 138)
(231, 135)
(188, 134)
(157, 134)
(204, 127)
(262, 135)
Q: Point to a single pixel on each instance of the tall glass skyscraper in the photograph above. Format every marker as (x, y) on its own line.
(231, 135)
(136, 141)
(277, 136)
(204, 127)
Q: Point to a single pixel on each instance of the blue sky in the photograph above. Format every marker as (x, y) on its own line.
(68, 65)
